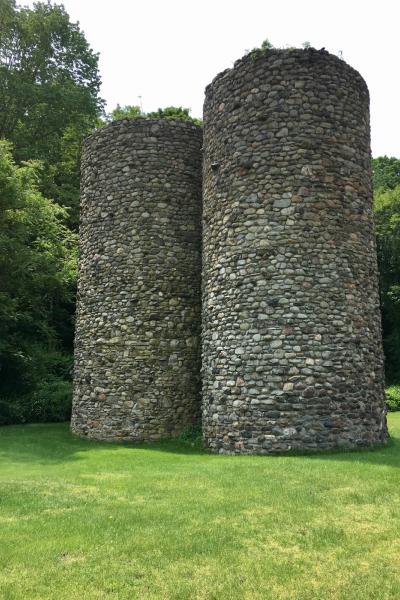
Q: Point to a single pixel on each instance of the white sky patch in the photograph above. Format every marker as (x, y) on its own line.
(166, 52)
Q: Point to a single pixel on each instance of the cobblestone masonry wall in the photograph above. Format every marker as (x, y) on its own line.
(137, 371)
(292, 354)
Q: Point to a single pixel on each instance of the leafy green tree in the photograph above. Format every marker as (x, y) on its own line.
(387, 218)
(124, 112)
(386, 172)
(171, 113)
(49, 93)
(37, 274)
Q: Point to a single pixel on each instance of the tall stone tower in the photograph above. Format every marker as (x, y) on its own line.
(137, 371)
(292, 354)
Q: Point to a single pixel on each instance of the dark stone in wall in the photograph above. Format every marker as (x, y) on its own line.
(137, 363)
(292, 352)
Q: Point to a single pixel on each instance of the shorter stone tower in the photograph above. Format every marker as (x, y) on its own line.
(292, 352)
(137, 370)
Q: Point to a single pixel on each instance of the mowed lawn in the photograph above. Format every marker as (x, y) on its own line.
(89, 520)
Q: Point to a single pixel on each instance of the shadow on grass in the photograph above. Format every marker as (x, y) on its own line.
(55, 444)
(52, 443)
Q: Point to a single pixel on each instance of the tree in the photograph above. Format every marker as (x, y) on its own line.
(387, 218)
(171, 113)
(49, 101)
(49, 92)
(124, 112)
(37, 273)
(386, 173)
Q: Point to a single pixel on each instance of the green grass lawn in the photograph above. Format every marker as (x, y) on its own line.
(87, 520)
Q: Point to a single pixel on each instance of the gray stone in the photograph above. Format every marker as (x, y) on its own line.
(282, 203)
(282, 132)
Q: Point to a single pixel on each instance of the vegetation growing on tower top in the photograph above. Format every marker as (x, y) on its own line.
(170, 113)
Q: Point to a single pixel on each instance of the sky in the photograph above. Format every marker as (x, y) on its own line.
(158, 53)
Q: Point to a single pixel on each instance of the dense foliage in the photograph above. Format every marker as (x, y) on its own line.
(170, 113)
(386, 176)
(385, 173)
(49, 101)
(37, 274)
(393, 398)
(49, 86)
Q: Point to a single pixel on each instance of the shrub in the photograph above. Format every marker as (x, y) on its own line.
(393, 397)
(51, 402)
(191, 436)
(46, 392)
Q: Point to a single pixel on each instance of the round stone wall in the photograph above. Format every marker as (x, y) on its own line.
(137, 355)
(292, 353)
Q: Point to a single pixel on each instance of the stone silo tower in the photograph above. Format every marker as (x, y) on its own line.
(292, 353)
(138, 317)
